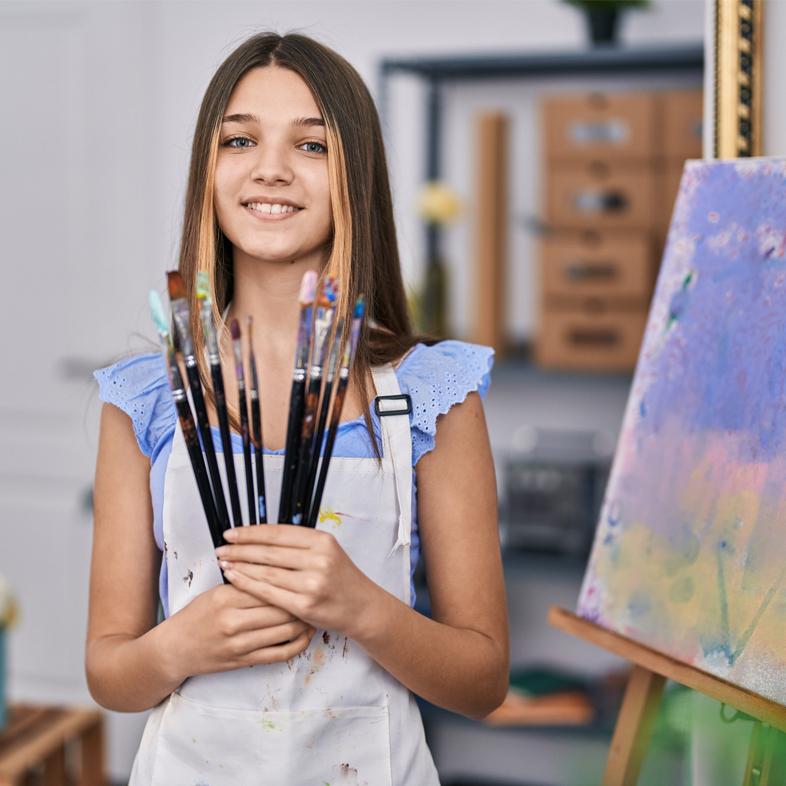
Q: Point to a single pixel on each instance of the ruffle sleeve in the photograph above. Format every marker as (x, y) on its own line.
(138, 385)
(437, 377)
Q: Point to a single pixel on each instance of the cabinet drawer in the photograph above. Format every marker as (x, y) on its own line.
(577, 339)
(682, 112)
(600, 196)
(614, 267)
(615, 125)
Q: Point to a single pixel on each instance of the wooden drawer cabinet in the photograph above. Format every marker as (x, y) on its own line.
(682, 114)
(599, 195)
(585, 126)
(585, 338)
(599, 266)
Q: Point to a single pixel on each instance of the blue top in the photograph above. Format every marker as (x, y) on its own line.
(436, 377)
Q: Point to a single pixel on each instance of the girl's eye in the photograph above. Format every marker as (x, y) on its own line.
(322, 148)
(228, 142)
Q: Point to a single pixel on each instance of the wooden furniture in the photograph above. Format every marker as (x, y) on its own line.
(613, 167)
(651, 669)
(52, 746)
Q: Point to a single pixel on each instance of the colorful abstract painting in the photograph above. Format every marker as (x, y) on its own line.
(690, 551)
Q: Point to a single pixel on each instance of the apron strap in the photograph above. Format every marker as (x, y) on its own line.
(397, 442)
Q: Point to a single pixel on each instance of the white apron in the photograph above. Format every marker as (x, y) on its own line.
(330, 715)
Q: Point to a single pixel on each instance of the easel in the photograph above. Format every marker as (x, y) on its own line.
(651, 669)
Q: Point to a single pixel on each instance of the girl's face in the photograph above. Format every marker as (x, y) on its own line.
(272, 196)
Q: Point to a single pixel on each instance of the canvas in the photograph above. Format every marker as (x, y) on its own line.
(690, 551)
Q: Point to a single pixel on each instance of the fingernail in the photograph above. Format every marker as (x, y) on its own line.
(230, 534)
(221, 550)
(224, 564)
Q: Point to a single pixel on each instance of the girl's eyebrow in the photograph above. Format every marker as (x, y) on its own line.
(244, 117)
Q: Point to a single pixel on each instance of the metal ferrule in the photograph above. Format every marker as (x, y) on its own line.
(180, 313)
(209, 329)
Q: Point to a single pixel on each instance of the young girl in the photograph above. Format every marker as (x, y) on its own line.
(299, 671)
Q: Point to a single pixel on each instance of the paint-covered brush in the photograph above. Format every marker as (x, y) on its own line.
(256, 425)
(325, 309)
(181, 318)
(186, 421)
(214, 360)
(308, 288)
(242, 403)
(324, 410)
(347, 363)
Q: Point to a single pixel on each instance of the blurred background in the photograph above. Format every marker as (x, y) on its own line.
(534, 154)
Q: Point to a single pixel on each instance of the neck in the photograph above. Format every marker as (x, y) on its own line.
(268, 291)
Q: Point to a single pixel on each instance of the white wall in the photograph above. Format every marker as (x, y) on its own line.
(774, 141)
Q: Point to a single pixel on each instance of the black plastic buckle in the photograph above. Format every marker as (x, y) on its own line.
(400, 397)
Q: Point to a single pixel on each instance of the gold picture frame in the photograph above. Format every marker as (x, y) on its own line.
(738, 70)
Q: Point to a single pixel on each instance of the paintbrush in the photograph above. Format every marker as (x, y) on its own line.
(296, 400)
(234, 327)
(256, 426)
(186, 421)
(325, 309)
(181, 318)
(348, 361)
(324, 411)
(214, 359)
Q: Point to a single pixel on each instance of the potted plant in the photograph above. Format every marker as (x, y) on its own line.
(603, 15)
(8, 616)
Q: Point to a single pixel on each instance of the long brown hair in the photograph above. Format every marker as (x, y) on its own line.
(363, 249)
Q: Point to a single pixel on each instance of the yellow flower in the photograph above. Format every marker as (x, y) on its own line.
(438, 203)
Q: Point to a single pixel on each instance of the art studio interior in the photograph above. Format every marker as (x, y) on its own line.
(595, 190)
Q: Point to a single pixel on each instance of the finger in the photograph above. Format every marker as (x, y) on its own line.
(279, 577)
(252, 641)
(275, 534)
(280, 556)
(278, 653)
(268, 593)
(266, 616)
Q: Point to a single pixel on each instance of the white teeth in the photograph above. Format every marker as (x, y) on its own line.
(266, 207)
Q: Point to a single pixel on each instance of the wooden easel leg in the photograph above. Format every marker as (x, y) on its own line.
(634, 725)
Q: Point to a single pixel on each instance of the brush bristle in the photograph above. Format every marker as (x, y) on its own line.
(360, 307)
(308, 287)
(176, 285)
(202, 285)
(234, 329)
(157, 312)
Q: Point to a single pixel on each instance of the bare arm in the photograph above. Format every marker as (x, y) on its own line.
(458, 659)
(125, 661)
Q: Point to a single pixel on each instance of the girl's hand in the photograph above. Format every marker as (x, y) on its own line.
(225, 628)
(302, 570)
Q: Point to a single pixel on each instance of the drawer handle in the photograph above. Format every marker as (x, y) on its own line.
(600, 202)
(587, 271)
(595, 337)
(590, 132)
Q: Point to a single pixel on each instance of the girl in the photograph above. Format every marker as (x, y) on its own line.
(287, 175)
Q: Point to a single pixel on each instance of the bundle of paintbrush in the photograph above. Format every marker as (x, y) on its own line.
(315, 398)
(324, 357)
(196, 425)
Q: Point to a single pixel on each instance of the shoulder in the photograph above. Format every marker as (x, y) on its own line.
(437, 377)
(138, 386)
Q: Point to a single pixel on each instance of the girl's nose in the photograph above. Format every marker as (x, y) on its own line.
(271, 166)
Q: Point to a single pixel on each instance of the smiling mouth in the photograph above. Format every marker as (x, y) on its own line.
(271, 211)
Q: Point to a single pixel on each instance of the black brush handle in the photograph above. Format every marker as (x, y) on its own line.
(226, 442)
(243, 406)
(256, 422)
(341, 392)
(197, 465)
(296, 401)
(319, 436)
(203, 424)
(305, 450)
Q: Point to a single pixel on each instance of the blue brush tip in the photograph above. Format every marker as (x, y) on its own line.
(360, 307)
(157, 312)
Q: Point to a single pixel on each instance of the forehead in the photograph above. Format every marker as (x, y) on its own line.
(272, 90)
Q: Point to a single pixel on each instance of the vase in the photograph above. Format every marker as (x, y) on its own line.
(602, 23)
